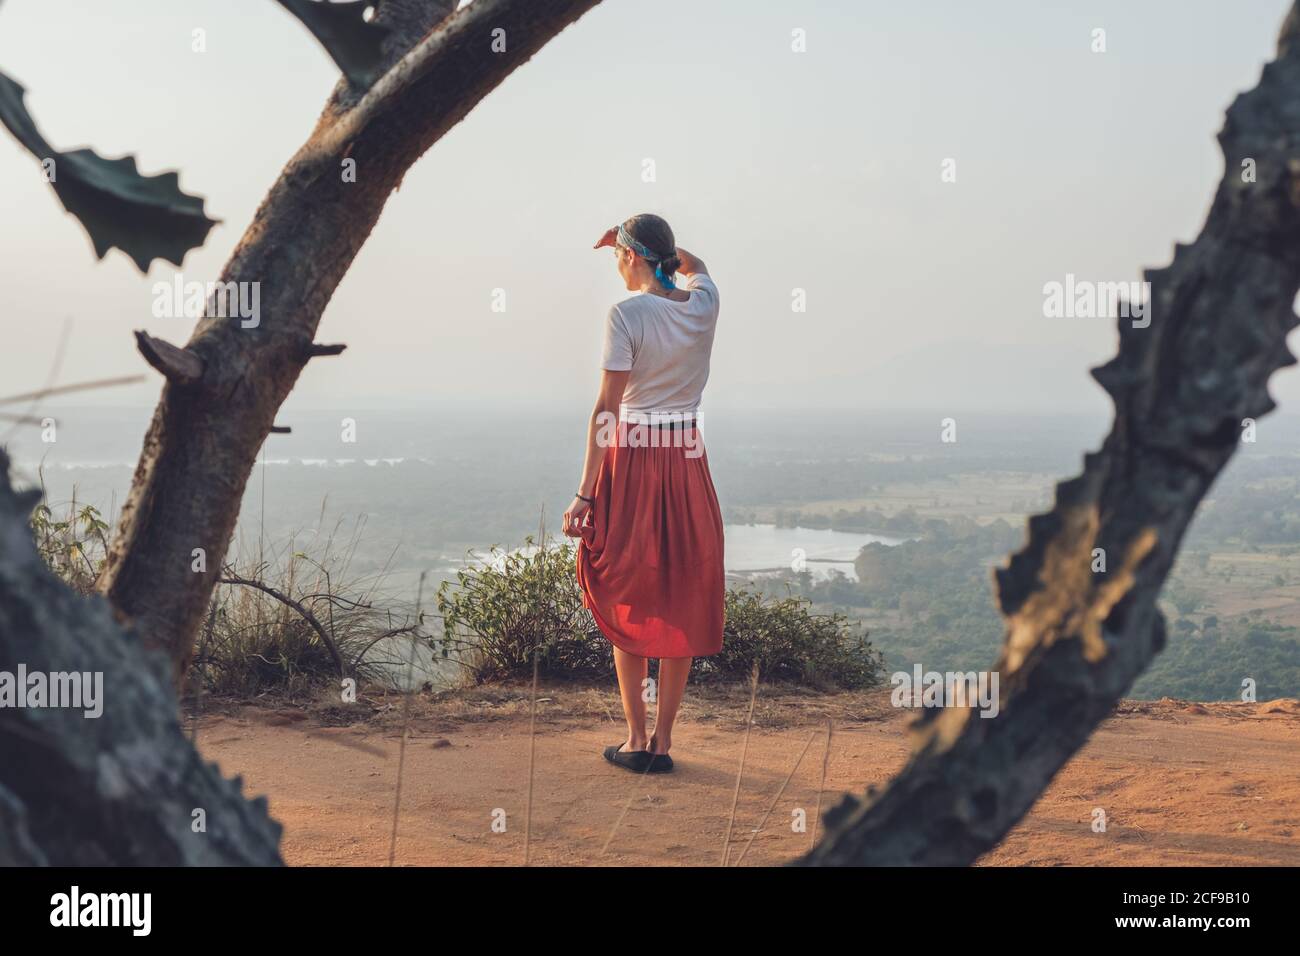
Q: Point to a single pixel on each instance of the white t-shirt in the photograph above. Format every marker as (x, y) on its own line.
(666, 345)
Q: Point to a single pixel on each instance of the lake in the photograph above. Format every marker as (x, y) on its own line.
(766, 548)
(754, 549)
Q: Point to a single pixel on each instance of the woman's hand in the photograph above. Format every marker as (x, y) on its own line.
(608, 239)
(575, 517)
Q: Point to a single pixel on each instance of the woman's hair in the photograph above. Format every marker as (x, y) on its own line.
(656, 235)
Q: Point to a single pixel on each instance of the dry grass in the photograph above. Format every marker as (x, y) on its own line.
(253, 642)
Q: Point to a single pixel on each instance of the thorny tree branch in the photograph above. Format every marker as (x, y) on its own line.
(120, 788)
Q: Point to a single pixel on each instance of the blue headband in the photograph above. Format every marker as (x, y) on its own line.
(625, 239)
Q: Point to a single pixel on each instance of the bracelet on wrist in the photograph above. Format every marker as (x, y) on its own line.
(581, 497)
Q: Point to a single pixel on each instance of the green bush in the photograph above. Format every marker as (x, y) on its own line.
(500, 610)
(496, 614)
(791, 643)
(72, 544)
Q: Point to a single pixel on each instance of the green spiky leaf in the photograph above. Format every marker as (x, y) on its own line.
(147, 217)
(354, 43)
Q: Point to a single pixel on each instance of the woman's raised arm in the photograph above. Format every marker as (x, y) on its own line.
(690, 264)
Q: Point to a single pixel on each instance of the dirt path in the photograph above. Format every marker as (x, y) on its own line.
(1180, 784)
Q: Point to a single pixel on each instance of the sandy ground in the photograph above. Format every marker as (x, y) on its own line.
(1190, 784)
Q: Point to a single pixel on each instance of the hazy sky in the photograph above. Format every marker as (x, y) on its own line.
(817, 170)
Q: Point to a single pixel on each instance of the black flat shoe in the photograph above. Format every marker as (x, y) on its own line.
(660, 763)
(638, 761)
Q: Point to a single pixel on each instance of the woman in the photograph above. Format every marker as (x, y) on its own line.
(650, 558)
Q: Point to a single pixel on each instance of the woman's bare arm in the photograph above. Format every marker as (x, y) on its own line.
(604, 417)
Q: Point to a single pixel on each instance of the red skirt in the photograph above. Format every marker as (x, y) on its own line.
(650, 559)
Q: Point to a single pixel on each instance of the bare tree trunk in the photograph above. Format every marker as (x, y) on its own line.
(1076, 640)
(225, 387)
(120, 788)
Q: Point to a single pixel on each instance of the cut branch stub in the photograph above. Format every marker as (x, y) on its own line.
(179, 366)
(319, 350)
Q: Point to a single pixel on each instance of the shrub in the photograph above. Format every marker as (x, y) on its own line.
(791, 643)
(72, 544)
(501, 609)
(251, 640)
(498, 613)
(254, 639)
(250, 644)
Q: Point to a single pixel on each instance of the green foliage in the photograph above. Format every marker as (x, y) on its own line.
(1260, 507)
(497, 613)
(1212, 665)
(353, 42)
(936, 596)
(72, 544)
(863, 520)
(147, 217)
(792, 644)
(1187, 600)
